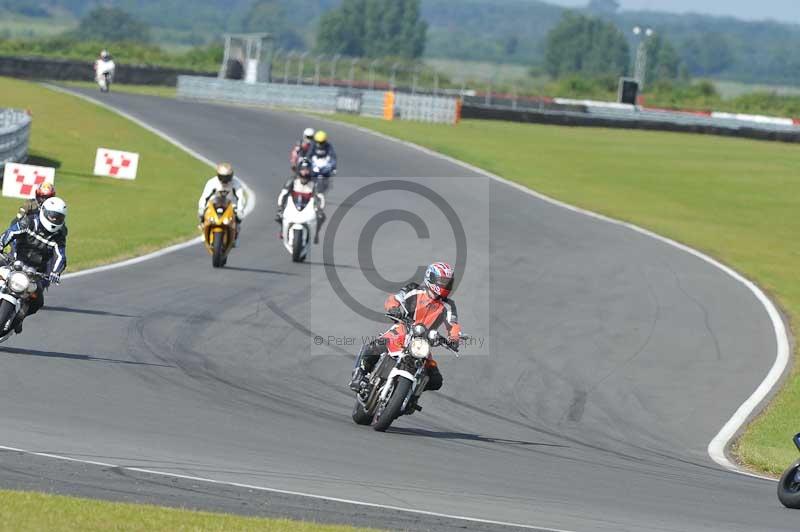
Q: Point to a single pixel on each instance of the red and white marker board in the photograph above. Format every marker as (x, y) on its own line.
(116, 164)
(22, 180)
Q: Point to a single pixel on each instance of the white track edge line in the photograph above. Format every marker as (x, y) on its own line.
(285, 492)
(249, 206)
(717, 448)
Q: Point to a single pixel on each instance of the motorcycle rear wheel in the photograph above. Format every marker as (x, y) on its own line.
(385, 416)
(789, 487)
(218, 256)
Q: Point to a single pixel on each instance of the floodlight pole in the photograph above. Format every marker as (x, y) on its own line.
(640, 68)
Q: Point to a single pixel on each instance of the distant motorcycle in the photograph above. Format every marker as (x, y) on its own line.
(18, 284)
(323, 170)
(219, 228)
(398, 379)
(789, 484)
(104, 74)
(298, 225)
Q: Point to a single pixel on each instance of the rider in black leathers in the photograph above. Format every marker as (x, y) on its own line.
(39, 240)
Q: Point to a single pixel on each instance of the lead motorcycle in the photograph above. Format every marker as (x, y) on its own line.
(18, 284)
(398, 379)
(789, 484)
(323, 170)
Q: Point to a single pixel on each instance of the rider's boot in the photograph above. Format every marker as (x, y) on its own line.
(17, 323)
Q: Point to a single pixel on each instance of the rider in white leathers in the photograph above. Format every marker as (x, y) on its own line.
(224, 180)
(103, 65)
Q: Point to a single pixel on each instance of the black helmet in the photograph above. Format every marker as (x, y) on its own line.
(304, 169)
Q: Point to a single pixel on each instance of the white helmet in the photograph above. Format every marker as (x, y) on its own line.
(52, 214)
(104, 54)
(308, 133)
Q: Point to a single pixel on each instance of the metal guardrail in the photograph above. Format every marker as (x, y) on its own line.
(323, 99)
(15, 128)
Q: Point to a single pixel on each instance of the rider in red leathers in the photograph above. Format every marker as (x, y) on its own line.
(430, 306)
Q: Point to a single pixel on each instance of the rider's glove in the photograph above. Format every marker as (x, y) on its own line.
(278, 217)
(453, 342)
(54, 277)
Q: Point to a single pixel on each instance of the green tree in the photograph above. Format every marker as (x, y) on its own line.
(707, 55)
(663, 62)
(587, 46)
(270, 16)
(373, 28)
(341, 31)
(112, 24)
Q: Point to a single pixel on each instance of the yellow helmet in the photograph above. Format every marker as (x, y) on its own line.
(225, 172)
(321, 137)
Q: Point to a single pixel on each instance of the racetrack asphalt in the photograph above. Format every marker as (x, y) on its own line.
(611, 360)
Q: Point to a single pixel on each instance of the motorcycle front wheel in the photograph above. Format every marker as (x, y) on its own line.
(7, 312)
(218, 256)
(789, 487)
(360, 416)
(297, 246)
(391, 411)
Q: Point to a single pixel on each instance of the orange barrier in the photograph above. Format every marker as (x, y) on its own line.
(388, 105)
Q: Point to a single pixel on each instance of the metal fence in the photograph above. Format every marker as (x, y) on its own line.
(15, 127)
(325, 99)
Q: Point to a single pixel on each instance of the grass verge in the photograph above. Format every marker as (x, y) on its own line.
(736, 200)
(26, 511)
(109, 219)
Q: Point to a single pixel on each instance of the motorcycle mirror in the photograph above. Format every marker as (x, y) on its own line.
(17, 265)
(419, 330)
(797, 441)
(433, 336)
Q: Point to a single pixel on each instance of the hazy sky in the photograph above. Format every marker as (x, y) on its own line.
(782, 10)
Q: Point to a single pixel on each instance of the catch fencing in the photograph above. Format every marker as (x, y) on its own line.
(324, 99)
(15, 129)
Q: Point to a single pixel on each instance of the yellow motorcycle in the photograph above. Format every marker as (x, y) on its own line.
(219, 228)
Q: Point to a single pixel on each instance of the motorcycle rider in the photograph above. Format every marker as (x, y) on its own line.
(302, 187)
(44, 192)
(323, 148)
(302, 149)
(224, 181)
(428, 305)
(39, 240)
(104, 64)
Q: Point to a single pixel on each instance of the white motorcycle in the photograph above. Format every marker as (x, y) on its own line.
(104, 74)
(299, 227)
(18, 283)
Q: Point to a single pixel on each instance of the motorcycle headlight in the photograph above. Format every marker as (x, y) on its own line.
(18, 282)
(420, 348)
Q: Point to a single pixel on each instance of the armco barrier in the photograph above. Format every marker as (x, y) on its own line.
(15, 128)
(647, 120)
(321, 99)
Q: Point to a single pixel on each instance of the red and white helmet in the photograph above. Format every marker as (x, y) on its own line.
(45, 192)
(439, 279)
